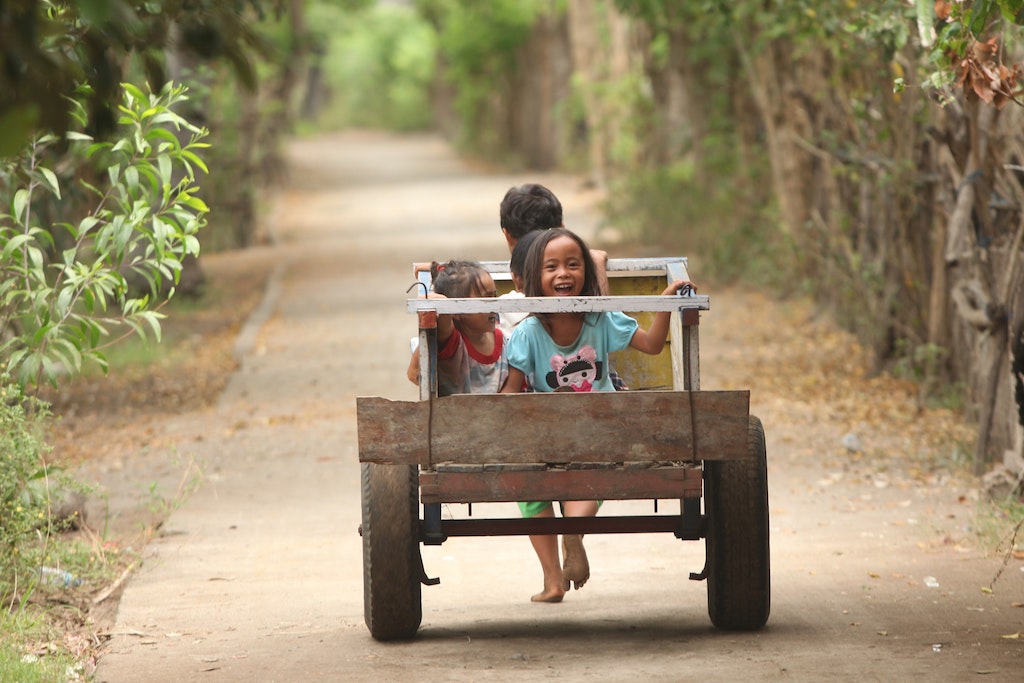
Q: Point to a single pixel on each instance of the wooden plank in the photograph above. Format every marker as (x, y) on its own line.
(560, 304)
(672, 265)
(607, 484)
(554, 428)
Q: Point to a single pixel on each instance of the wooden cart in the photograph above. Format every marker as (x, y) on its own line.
(664, 439)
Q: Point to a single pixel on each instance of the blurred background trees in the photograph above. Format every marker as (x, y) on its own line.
(868, 155)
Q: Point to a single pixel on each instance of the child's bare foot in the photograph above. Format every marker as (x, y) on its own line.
(549, 595)
(575, 567)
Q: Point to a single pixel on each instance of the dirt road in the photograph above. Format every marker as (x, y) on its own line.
(257, 576)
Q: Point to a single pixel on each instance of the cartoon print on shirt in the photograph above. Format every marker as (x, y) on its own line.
(575, 373)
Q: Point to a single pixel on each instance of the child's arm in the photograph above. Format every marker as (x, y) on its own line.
(652, 341)
(445, 329)
(514, 383)
(413, 373)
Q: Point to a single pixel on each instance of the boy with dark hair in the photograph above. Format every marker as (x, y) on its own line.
(530, 207)
(526, 208)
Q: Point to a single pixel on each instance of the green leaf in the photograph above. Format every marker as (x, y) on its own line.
(19, 204)
(166, 171)
(131, 177)
(133, 92)
(87, 224)
(163, 134)
(92, 188)
(51, 181)
(41, 333)
(97, 147)
(14, 244)
(195, 203)
(979, 16)
(152, 318)
(101, 360)
(186, 154)
(68, 353)
(64, 300)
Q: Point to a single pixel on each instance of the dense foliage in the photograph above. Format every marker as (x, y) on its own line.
(50, 48)
(373, 67)
(64, 287)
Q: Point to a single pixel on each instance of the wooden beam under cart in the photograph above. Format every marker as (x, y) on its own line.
(555, 428)
(490, 486)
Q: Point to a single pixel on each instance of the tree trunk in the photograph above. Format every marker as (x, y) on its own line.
(769, 75)
(542, 88)
(599, 39)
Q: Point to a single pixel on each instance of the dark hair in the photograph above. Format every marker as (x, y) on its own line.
(534, 265)
(522, 248)
(530, 207)
(458, 279)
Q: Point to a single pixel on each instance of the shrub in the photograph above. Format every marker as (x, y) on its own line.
(25, 523)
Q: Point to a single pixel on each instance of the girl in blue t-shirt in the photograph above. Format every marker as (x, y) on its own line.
(569, 352)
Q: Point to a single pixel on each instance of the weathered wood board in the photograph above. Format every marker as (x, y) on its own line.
(607, 484)
(555, 428)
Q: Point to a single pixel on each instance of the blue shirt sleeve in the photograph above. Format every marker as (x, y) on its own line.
(621, 329)
(518, 349)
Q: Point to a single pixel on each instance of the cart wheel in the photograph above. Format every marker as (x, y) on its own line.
(392, 567)
(736, 505)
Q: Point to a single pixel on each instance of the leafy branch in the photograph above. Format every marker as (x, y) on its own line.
(63, 287)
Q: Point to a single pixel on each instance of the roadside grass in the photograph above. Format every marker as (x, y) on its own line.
(51, 632)
(32, 650)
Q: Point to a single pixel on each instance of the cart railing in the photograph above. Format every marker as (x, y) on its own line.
(631, 279)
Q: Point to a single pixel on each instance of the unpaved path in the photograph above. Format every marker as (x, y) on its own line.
(257, 577)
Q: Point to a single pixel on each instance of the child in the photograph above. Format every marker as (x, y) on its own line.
(531, 207)
(508, 321)
(569, 352)
(470, 348)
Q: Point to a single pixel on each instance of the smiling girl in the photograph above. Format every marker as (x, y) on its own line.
(569, 352)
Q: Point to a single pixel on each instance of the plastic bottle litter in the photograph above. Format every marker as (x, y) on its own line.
(931, 582)
(59, 577)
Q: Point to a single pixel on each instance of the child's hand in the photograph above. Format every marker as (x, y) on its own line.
(677, 286)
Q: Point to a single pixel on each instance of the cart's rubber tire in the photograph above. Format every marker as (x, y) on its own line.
(392, 567)
(736, 507)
